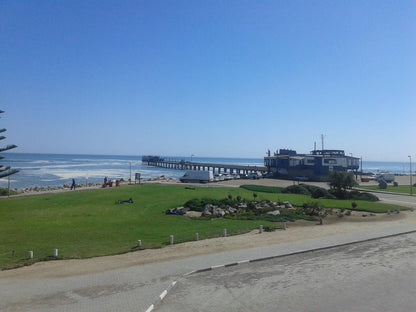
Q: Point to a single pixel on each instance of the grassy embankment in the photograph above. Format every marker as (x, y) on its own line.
(403, 189)
(299, 200)
(89, 223)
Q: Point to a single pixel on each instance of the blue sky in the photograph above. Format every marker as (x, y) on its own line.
(209, 78)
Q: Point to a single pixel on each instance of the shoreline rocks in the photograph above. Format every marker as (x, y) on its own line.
(66, 187)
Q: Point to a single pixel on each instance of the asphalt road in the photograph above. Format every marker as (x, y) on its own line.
(378, 275)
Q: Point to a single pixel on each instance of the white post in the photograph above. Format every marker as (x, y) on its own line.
(139, 243)
(261, 229)
(284, 226)
(224, 232)
(8, 184)
(171, 239)
(55, 252)
(196, 236)
(130, 174)
(30, 254)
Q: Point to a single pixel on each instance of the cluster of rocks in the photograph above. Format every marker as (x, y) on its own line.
(64, 187)
(38, 189)
(272, 208)
(162, 178)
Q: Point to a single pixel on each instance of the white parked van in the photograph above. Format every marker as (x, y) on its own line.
(197, 176)
(386, 176)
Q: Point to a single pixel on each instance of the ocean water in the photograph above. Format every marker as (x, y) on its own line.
(60, 169)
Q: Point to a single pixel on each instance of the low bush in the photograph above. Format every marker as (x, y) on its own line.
(5, 192)
(311, 190)
(198, 204)
(297, 189)
(356, 195)
(270, 228)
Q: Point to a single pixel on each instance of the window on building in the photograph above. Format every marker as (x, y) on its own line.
(330, 161)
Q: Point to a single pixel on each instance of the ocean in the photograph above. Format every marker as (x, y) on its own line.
(49, 170)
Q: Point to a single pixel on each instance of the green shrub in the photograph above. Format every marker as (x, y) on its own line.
(197, 204)
(355, 195)
(5, 192)
(319, 192)
(297, 189)
(194, 204)
(270, 228)
(311, 190)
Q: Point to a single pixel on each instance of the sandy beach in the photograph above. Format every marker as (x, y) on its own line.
(296, 231)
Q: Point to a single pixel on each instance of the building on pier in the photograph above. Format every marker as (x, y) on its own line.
(315, 166)
(149, 159)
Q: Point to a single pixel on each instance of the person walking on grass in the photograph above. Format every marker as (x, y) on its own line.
(73, 184)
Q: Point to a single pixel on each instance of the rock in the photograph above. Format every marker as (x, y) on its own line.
(219, 212)
(193, 214)
(242, 206)
(287, 205)
(181, 210)
(274, 213)
(232, 210)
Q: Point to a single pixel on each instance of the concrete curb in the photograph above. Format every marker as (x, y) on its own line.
(297, 252)
(380, 192)
(165, 292)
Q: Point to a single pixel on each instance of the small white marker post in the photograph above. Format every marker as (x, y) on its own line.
(261, 229)
(30, 254)
(196, 236)
(139, 243)
(55, 253)
(224, 232)
(171, 239)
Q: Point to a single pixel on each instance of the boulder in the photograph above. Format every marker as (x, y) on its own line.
(242, 206)
(193, 214)
(274, 213)
(287, 204)
(219, 212)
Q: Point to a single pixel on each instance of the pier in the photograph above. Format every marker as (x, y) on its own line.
(189, 165)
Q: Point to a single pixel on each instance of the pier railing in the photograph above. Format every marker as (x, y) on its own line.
(216, 168)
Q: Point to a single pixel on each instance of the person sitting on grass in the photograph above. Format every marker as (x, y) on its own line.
(129, 201)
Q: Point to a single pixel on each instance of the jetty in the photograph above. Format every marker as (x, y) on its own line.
(161, 162)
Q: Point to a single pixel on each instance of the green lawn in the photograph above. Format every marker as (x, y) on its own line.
(89, 223)
(404, 189)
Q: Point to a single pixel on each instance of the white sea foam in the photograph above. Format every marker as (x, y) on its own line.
(40, 162)
(63, 174)
(4, 182)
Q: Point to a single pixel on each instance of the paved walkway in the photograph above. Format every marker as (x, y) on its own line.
(140, 288)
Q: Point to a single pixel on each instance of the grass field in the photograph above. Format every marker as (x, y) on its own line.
(89, 223)
(404, 189)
